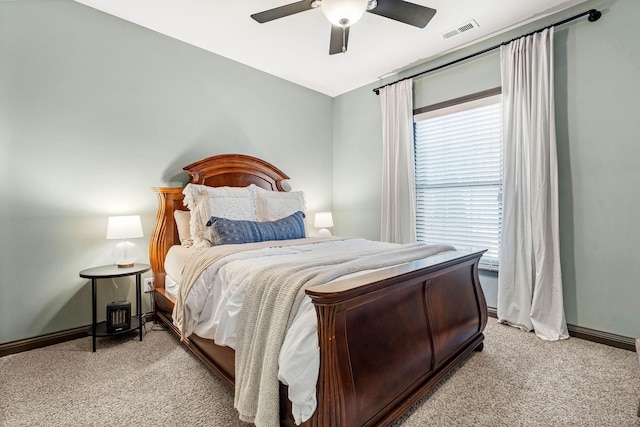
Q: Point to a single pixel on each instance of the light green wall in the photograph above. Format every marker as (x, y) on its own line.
(599, 148)
(597, 90)
(94, 111)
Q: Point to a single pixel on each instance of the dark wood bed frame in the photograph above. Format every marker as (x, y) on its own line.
(386, 338)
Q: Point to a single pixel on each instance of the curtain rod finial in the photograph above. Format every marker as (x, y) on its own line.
(594, 15)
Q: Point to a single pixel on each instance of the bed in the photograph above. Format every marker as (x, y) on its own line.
(385, 337)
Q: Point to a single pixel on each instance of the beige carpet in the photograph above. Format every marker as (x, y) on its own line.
(518, 380)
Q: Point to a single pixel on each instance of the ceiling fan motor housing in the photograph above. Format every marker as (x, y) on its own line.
(344, 12)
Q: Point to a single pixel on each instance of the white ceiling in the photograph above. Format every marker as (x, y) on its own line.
(296, 48)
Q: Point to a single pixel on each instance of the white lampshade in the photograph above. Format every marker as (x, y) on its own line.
(323, 220)
(124, 227)
(344, 12)
(124, 253)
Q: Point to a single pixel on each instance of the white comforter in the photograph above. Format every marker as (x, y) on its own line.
(216, 298)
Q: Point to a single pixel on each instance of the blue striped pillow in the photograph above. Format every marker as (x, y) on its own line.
(230, 232)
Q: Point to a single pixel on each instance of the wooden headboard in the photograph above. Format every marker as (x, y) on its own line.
(232, 170)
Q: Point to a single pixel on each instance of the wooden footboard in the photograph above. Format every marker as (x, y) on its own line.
(387, 338)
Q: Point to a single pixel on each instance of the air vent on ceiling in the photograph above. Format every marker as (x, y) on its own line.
(460, 29)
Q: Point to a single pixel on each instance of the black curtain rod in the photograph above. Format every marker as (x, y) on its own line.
(594, 15)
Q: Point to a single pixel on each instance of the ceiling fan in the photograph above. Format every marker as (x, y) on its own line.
(344, 13)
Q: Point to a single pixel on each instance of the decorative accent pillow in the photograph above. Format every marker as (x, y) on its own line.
(229, 232)
(182, 219)
(273, 205)
(236, 203)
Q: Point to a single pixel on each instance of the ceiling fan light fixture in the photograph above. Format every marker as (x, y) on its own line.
(344, 12)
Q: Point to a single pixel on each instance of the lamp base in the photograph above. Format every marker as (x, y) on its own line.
(323, 232)
(125, 265)
(124, 254)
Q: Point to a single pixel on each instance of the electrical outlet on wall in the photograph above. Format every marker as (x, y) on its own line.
(148, 284)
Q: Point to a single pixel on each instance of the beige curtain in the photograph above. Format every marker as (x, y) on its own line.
(530, 280)
(398, 167)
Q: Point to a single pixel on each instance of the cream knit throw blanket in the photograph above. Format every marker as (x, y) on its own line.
(271, 303)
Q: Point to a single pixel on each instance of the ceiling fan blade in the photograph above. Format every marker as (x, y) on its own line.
(403, 11)
(282, 11)
(336, 42)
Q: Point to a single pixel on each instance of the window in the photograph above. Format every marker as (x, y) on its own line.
(458, 155)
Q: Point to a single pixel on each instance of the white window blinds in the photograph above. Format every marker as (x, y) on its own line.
(458, 154)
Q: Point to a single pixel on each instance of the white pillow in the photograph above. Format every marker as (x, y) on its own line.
(275, 205)
(236, 203)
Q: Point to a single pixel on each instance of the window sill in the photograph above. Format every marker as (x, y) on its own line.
(488, 271)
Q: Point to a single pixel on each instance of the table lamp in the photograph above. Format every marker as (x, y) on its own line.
(124, 227)
(323, 220)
